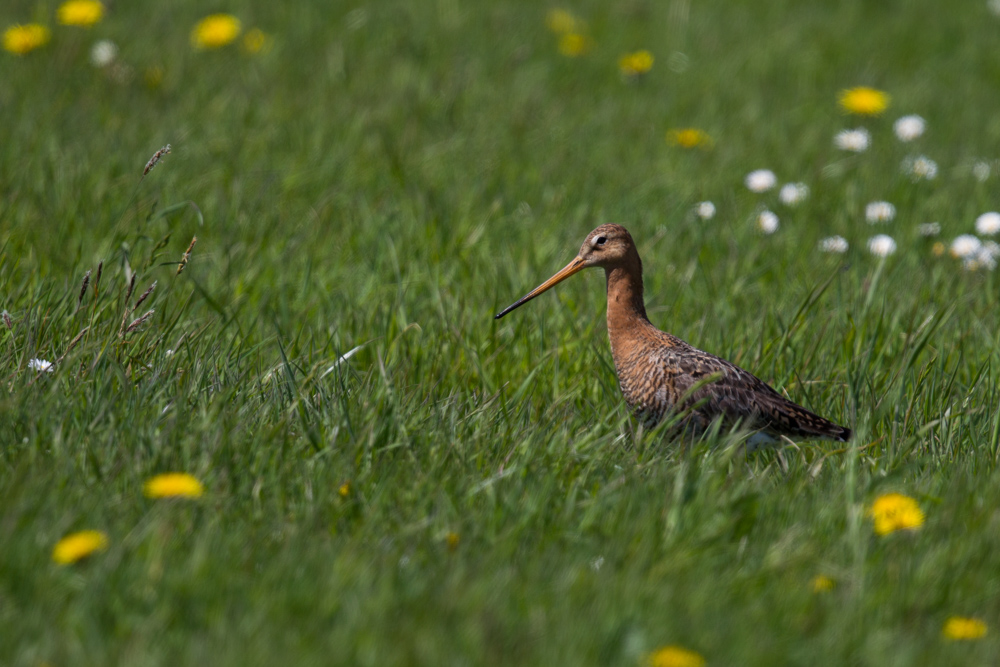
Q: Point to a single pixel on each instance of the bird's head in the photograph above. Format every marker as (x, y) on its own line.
(607, 246)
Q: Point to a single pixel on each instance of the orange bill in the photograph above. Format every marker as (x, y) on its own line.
(573, 267)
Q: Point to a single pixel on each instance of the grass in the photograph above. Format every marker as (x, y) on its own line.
(391, 175)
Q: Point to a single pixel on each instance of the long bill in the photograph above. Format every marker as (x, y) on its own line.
(575, 266)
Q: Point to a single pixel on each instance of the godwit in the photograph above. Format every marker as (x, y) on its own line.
(659, 373)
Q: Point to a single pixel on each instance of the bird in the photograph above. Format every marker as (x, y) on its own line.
(661, 376)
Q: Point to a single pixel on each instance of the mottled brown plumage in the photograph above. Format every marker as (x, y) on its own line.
(660, 374)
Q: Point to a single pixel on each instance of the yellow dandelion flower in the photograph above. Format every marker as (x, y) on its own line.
(674, 656)
(937, 249)
(215, 31)
(822, 583)
(561, 21)
(173, 485)
(894, 511)
(153, 77)
(344, 489)
(452, 540)
(257, 41)
(635, 64)
(959, 628)
(83, 13)
(689, 137)
(573, 44)
(79, 545)
(21, 39)
(864, 101)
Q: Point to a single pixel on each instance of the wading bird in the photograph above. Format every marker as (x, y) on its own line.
(660, 374)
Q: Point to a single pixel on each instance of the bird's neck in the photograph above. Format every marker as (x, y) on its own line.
(626, 309)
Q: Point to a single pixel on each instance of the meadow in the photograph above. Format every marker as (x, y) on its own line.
(391, 477)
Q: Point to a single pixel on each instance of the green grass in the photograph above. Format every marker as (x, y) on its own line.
(390, 176)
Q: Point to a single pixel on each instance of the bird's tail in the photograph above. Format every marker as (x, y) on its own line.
(811, 425)
(794, 420)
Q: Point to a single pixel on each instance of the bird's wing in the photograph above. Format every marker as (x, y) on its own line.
(714, 387)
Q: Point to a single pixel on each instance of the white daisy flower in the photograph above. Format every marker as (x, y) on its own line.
(761, 180)
(879, 211)
(986, 256)
(40, 365)
(881, 245)
(853, 140)
(705, 210)
(920, 168)
(103, 53)
(981, 170)
(988, 224)
(767, 222)
(909, 127)
(965, 246)
(793, 193)
(983, 259)
(837, 244)
(929, 229)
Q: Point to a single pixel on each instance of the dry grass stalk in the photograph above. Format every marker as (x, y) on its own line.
(142, 298)
(72, 344)
(83, 289)
(6, 320)
(163, 242)
(187, 256)
(137, 322)
(157, 156)
(97, 278)
(123, 329)
(131, 288)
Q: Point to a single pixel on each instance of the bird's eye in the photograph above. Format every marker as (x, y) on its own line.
(600, 240)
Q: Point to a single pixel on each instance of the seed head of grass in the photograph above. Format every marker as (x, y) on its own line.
(144, 296)
(157, 156)
(131, 288)
(83, 289)
(137, 322)
(97, 278)
(187, 256)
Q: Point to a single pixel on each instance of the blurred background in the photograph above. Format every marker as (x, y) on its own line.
(391, 476)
